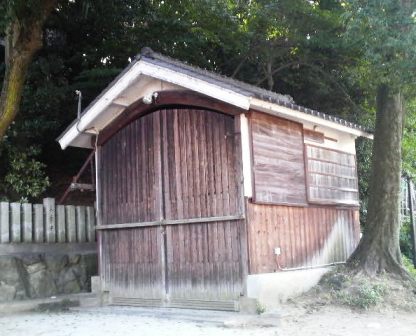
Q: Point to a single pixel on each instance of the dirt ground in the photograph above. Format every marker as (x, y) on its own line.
(287, 321)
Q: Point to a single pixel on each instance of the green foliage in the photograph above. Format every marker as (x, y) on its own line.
(408, 264)
(386, 33)
(26, 176)
(355, 291)
(406, 238)
(87, 42)
(260, 309)
(409, 139)
(363, 296)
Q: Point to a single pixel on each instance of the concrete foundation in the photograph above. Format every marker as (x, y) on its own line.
(271, 289)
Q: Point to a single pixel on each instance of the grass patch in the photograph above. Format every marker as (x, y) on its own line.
(362, 296)
(357, 291)
(260, 309)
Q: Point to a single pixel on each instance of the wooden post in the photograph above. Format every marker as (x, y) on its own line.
(27, 223)
(50, 226)
(39, 223)
(4, 223)
(71, 229)
(81, 229)
(412, 219)
(16, 230)
(60, 223)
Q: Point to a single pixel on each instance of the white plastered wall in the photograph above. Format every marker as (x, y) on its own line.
(333, 139)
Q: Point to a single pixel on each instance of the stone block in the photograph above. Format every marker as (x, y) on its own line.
(248, 305)
(74, 259)
(35, 268)
(95, 284)
(31, 259)
(9, 270)
(56, 263)
(7, 292)
(42, 284)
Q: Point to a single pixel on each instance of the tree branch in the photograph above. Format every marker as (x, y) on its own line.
(317, 69)
(275, 71)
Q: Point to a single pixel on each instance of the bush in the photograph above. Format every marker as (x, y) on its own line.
(26, 177)
(363, 296)
(408, 264)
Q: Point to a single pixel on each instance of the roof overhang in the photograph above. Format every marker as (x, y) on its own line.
(126, 89)
(291, 114)
(112, 96)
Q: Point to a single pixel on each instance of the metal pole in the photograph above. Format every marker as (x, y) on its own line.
(412, 220)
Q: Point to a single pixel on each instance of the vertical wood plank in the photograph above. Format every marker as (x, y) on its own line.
(50, 219)
(27, 223)
(16, 229)
(60, 223)
(4, 222)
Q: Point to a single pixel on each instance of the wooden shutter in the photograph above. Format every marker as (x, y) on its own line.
(278, 160)
(331, 175)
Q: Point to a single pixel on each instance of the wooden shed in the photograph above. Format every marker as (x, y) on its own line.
(204, 182)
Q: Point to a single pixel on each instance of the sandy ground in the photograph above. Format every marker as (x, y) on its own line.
(288, 321)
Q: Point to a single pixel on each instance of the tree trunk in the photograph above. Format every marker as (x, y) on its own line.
(379, 250)
(12, 91)
(23, 40)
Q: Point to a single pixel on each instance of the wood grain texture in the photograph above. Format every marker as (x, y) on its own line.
(169, 99)
(203, 261)
(278, 160)
(173, 167)
(307, 237)
(314, 136)
(131, 262)
(200, 172)
(131, 173)
(331, 175)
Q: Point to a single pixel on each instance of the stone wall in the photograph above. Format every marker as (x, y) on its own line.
(34, 275)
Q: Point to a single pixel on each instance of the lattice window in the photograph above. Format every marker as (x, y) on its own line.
(331, 176)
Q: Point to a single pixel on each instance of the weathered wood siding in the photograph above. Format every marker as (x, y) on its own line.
(173, 164)
(132, 262)
(306, 236)
(204, 261)
(278, 160)
(131, 173)
(201, 172)
(331, 175)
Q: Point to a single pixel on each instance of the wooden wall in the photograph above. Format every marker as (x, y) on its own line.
(278, 160)
(171, 164)
(175, 174)
(306, 236)
(201, 172)
(331, 176)
(204, 260)
(130, 173)
(298, 192)
(132, 264)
